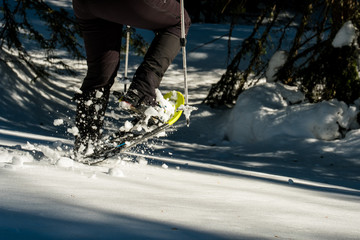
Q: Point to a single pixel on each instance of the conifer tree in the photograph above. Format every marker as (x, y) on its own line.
(23, 23)
(313, 64)
(34, 24)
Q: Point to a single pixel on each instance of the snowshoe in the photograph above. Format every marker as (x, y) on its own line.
(151, 126)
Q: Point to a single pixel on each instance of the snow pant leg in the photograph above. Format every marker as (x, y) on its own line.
(102, 41)
(158, 58)
(161, 16)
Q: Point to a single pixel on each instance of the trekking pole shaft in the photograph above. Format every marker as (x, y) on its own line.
(127, 55)
(185, 77)
(183, 45)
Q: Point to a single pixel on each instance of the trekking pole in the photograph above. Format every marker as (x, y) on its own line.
(183, 46)
(126, 56)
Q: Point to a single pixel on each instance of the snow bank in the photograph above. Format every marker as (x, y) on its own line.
(268, 110)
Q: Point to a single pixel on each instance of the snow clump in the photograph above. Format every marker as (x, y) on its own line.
(116, 172)
(345, 36)
(127, 126)
(141, 161)
(5, 157)
(166, 108)
(19, 160)
(65, 162)
(74, 131)
(58, 122)
(276, 62)
(99, 94)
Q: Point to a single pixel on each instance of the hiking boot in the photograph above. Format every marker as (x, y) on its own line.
(90, 113)
(134, 103)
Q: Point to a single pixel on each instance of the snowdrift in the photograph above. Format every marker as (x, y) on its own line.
(272, 109)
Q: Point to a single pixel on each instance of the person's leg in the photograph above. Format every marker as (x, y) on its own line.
(161, 16)
(101, 25)
(149, 74)
(102, 41)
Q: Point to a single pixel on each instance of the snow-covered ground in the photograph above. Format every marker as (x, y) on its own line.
(270, 168)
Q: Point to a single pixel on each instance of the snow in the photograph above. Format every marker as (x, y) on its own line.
(58, 122)
(165, 108)
(346, 36)
(265, 111)
(65, 162)
(276, 61)
(116, 172)
(273, 167)
(73, 130)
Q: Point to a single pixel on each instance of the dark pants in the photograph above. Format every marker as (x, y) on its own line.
(101, 22)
